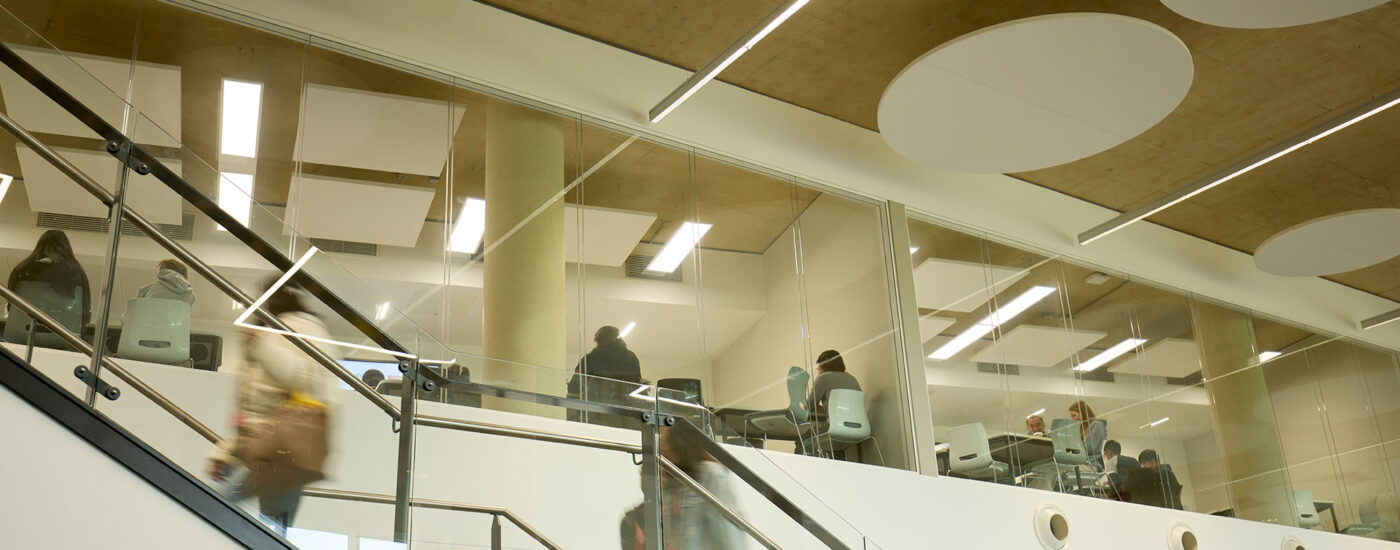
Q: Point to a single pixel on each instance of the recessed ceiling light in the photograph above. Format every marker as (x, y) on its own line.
(913, 249)
(627, 329)
(1265, 356)
(239, 128)
(1110, 354)
(1001, 315)
(1039, 411)
(708, 73)
(236, 196)
(471, 225)
(1155, 423)
(5, 181)
(678, 247)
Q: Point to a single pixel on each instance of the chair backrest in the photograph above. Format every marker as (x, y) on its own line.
(968, 450)
(1306, 509)
(797, 393)
(67, 310)
(847, 419)
(155, 330)
(1064, 436)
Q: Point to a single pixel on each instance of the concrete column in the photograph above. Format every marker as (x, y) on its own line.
(1243, 414)
(523, 298)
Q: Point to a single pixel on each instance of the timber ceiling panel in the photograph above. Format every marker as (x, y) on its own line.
(1253, 88)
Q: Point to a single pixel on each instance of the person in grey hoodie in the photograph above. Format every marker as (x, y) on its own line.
(172, 283)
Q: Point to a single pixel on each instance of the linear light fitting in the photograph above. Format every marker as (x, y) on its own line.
(709, 72)
(1387, 317)
(1154, 423)
(5, 181)
(470, 226)
(913, 249)
(1039, 411)
(236, 196)
(627, 329)
(985, 326)
(238, 129)
(381, 311)
(1128, 218)
(1265, 356)
(1110, 354)
(678, 247)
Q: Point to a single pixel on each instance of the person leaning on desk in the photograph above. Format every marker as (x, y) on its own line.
(833, 376)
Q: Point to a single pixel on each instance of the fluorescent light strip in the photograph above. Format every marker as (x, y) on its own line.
(1246, 169)
(1041, 411)
(381, 311)
(242, 102)
(627, 329)
(1155, 423)
(5, 181)
(913, 249)
(236, 196)
(693, 84)
(1265, 356)
(678, 247)
(1110, 354)
(470, 226)
(985, 326)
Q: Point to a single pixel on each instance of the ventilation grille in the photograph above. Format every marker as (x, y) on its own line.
(1098, 375)
(636, 267)
(68, 222)
(346, 247)
(997, 368)
(1188, 380)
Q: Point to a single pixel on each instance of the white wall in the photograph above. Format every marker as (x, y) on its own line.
(576, 495)
(61, 492)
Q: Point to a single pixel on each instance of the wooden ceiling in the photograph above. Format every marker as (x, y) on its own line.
(748, 210)
(1252, 89)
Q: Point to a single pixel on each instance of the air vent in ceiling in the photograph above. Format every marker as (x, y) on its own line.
(1188, 380)
(996, 368)
(636, 268)
(1099, 375)
(346, 247)
(90, 224)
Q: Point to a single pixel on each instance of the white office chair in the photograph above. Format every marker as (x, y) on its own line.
(156, 330)
(794, 415)
(847, 423)
(1306, 509)
(970, 455)
(1069, 457)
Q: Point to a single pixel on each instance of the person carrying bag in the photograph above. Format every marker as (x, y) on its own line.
(282, 420)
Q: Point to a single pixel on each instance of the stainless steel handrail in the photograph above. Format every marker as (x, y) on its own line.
(86, 349)
(524, 433)
(198, 265)
(356, 496)
(729, 513)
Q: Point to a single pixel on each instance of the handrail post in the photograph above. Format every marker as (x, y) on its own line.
(651, 478)
(495, 532)
(403, 491)
(121, 150)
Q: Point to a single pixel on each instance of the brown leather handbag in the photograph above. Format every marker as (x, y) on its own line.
(291, 451)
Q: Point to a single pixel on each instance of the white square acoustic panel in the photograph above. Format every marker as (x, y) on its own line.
(1036, 346)
(948, 285)
(359, 211)
(1172, 357)
(51, 191)
(101, 84)
(609, 235)
(374, 131)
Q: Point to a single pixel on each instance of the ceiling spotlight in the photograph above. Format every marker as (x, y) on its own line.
(1110, 354)
(985, 326)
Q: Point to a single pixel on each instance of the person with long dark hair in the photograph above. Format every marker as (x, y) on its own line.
(274, 373)
(1092, 430)
(53, 262)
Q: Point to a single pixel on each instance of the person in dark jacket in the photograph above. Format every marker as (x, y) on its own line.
(1120, 468)
(172, 283)
(1154, 484)
(53, 262)
(610, 360)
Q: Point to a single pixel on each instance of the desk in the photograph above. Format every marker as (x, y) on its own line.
(1016, 450)
(1328, 506)
(780, 430)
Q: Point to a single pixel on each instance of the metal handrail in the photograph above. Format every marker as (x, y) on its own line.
(85, 348)
(729, 513)
(524, 433)
(356, 496)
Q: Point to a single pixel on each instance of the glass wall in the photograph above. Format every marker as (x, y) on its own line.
(1232, 413)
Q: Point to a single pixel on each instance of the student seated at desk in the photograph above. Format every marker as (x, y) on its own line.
(1119, 469)
(1154, 484)
(832, 376)
(1035, 425)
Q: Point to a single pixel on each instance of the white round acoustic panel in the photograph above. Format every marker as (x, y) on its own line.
(1267, 14)
(1332, 244)
(1035, 93)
